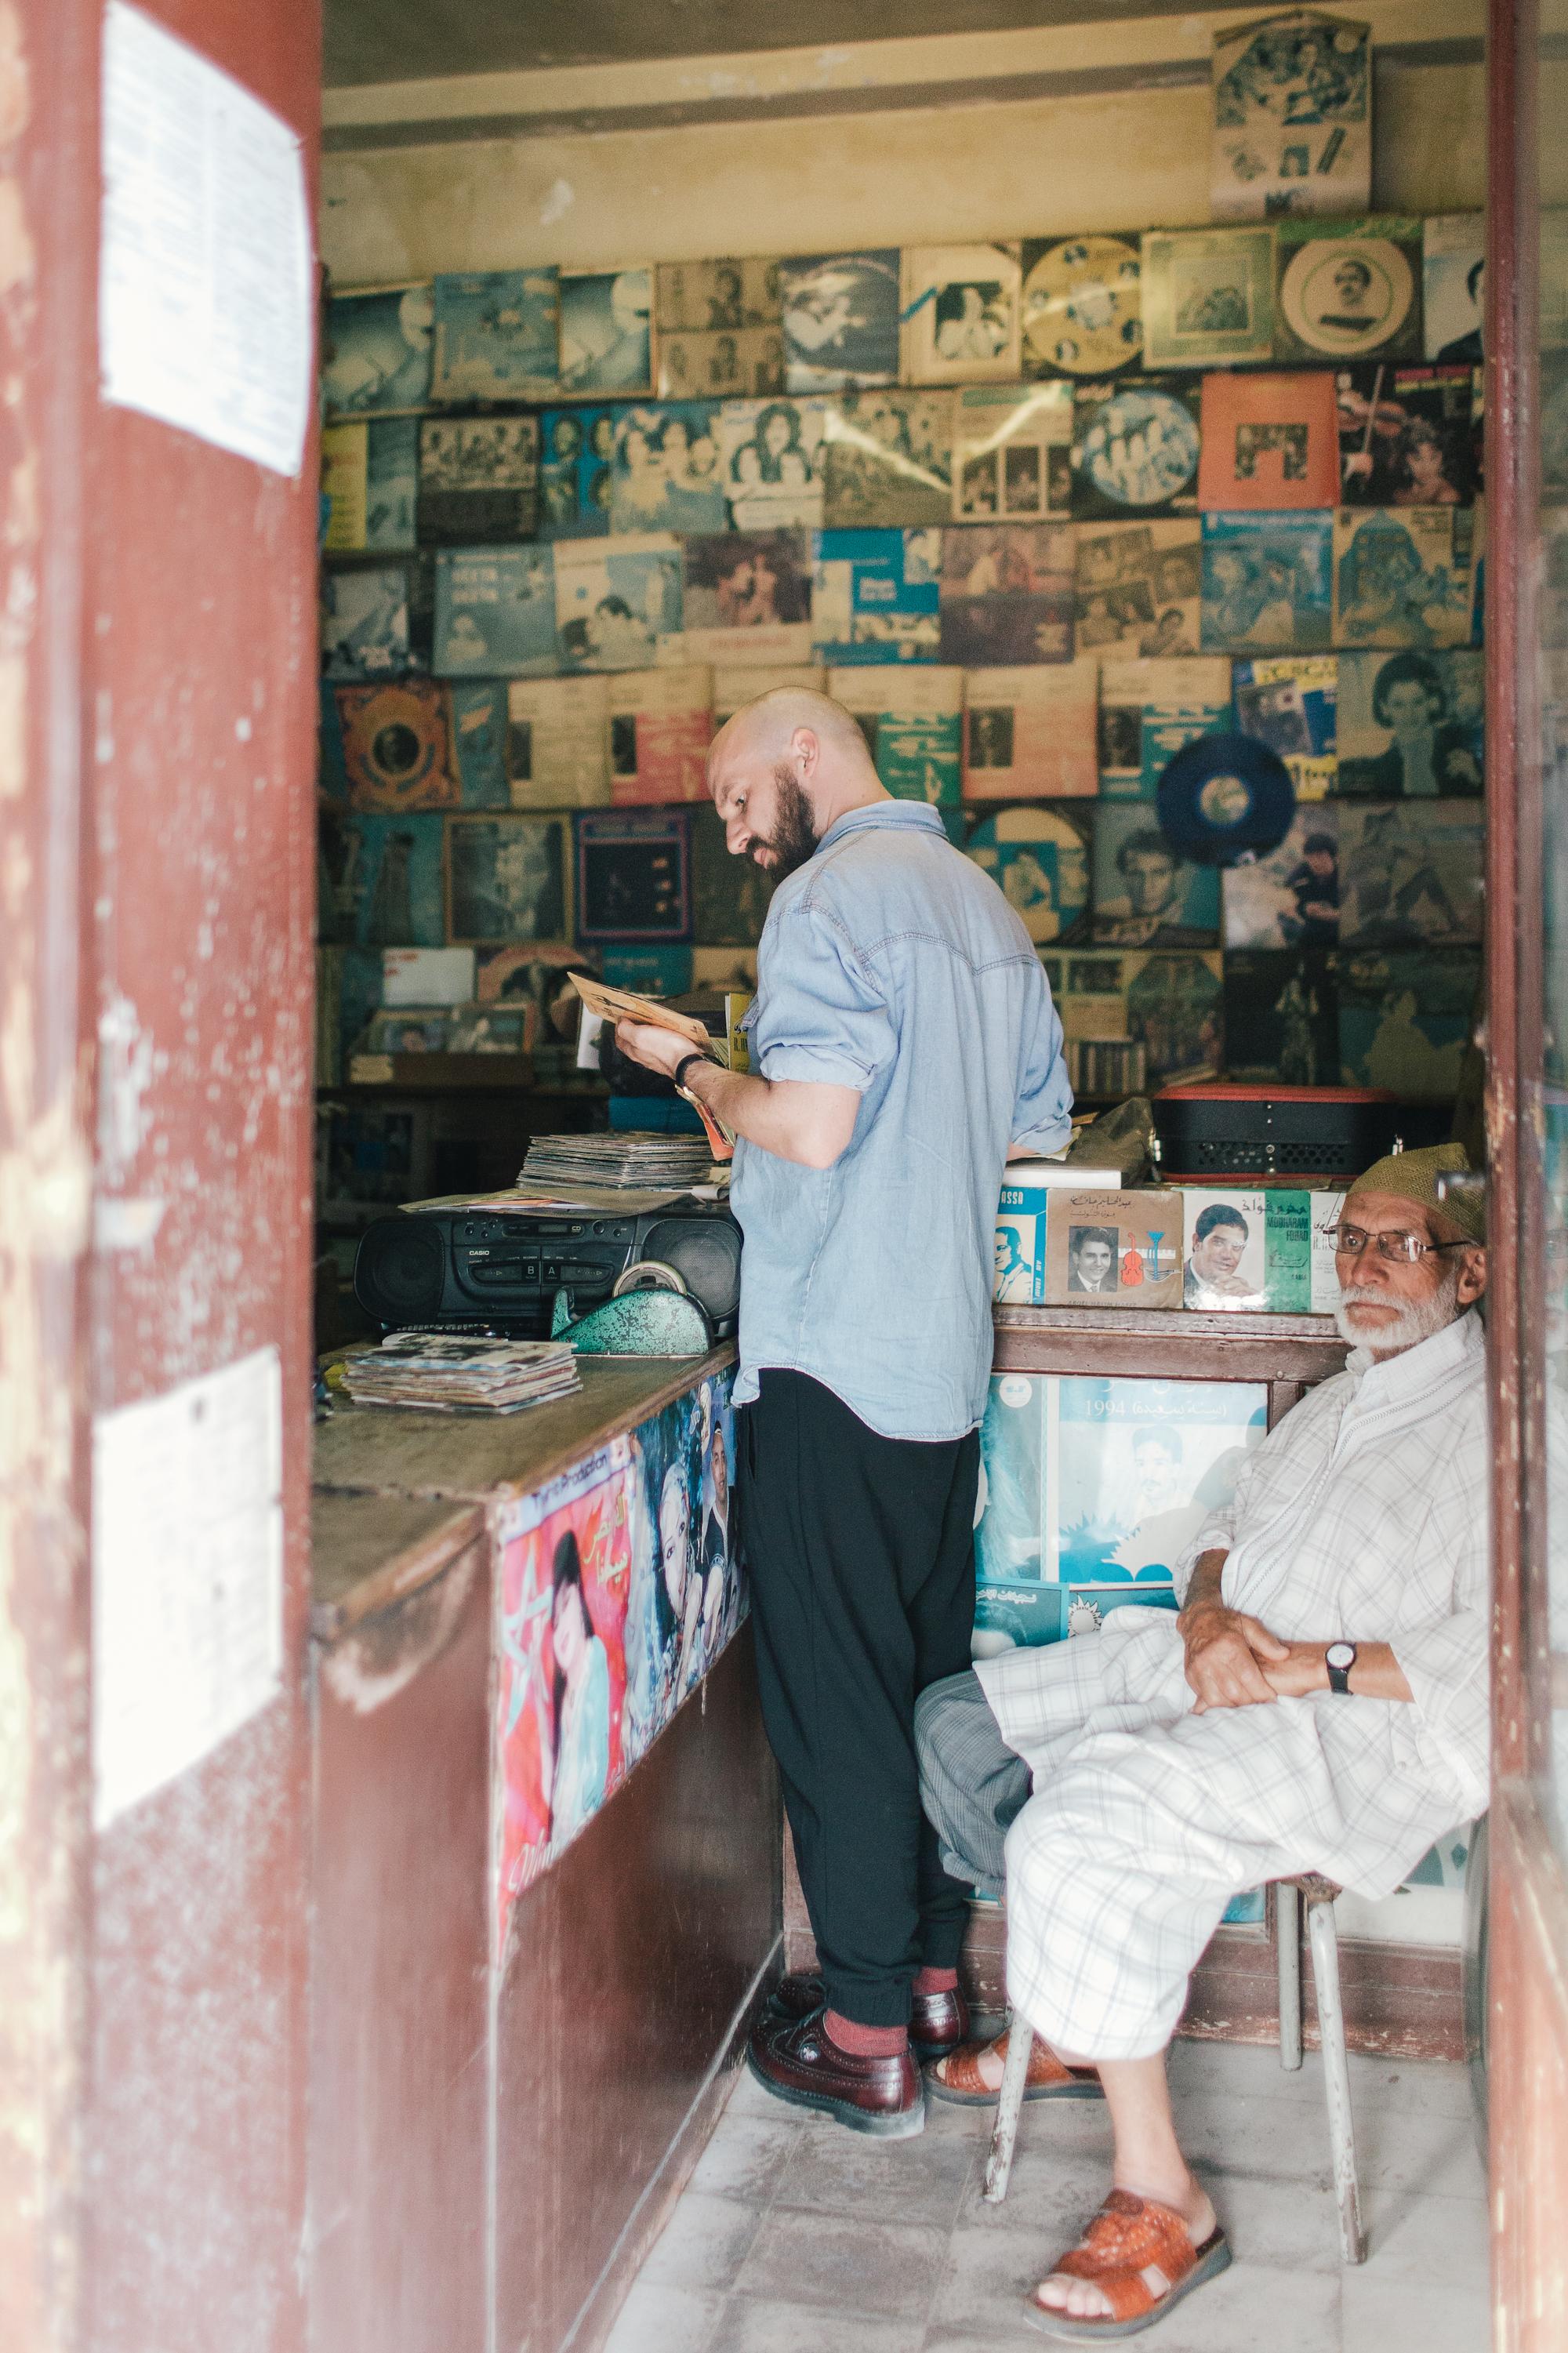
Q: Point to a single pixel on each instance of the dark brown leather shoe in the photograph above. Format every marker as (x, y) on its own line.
(796, 2059)
(939, 2022)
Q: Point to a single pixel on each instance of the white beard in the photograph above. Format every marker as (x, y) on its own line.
(1416, 1321)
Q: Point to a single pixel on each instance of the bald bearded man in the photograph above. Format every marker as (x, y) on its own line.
(903, 1047)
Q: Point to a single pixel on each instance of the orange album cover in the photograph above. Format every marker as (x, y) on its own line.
(1269, 441)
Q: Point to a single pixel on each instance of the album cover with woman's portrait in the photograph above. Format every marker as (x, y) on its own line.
(772, 453)
(1409, 437)
(1412, 726)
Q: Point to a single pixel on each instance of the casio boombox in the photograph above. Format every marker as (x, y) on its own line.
(456, 1268)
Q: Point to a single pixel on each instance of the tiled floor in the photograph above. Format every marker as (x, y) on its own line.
(795, 2236)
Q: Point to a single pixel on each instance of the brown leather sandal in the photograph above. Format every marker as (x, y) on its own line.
(1140, 2257)
(958, 2078)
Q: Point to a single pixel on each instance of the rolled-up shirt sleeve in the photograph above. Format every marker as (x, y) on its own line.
(1446, 1663)
(1042, 1117)
(822, 1015)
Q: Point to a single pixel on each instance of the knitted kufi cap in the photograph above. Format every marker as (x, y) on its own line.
(1413, 1176)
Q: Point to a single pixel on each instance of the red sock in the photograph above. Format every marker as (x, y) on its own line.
(935, 1981)
(865, 2041)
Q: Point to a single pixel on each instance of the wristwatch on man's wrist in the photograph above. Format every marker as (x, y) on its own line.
(1340, 1658)
(678, 1073)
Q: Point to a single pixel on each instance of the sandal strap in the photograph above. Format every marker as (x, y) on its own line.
(959, 2069)
(1135, 2250)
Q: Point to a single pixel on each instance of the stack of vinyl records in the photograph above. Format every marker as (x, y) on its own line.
(450, 1372)
(625, 1160)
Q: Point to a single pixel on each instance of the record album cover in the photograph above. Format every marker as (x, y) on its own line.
(718, 970)
(1009, 1527)
(1404, 577)
(1030, 732)
(1412, 726)
(1208, 296)
(607, 336)
(1291, 898)
(1409, 437)
(1168, 728)
(650, 972)
(1145, 894)
(576, 472)
(364, 622)
(1018, 1277)
(840, 320)
(1039, 859)
(747, 595)
(888, 464)
(1135, 449)
(772, 453)
(618, 601)
(1269, 441)
(1011, 453)
(1138, 588)
(1007, 593)
(961, 313)
(1453, 287)
(495, 335)
(1133, 1468)
(1175, 1012)
(1326, 1209)
(382, 879)
(1082, 314)
(729, 363)
(1147, 710)
(506, 878)
(1405, 1018)
(370, 476)
(1267, 581)
(1282, 1017)
(1114, 1249)
(557, 743)
(1289, 701)
(378, 350)
(874, 595)
(667, 474)
(1411, 873)
(633, 875)
(1292, 116)
(397, 745)
(479, 741)
(660, 723)
(479, 479)
(697, 297)
(495, 612)
(1226, 1269)
(736, 683)
(913, 720)
(1348, 290)
(730, 895)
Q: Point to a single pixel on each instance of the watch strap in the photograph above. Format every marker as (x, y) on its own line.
(1340, 1677)
(682, 1067)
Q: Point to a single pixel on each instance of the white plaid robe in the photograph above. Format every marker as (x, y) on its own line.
(1364, 1515)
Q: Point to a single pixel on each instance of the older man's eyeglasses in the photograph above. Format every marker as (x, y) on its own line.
(1399, 1249)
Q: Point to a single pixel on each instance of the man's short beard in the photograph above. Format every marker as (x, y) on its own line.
(1418, 1319)
(794, 836)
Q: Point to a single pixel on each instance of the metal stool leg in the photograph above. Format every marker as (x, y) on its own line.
(1336, 2077)
(1009, 2108)
(1288, 1943)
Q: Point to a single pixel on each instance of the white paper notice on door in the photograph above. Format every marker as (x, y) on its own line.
(187, 1575)
(207, 298)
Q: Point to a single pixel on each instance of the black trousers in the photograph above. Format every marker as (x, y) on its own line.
(861, 1556)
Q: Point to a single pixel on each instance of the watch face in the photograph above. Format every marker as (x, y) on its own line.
(1340, 1654)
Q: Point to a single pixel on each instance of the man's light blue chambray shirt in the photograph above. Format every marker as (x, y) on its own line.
(891, 963)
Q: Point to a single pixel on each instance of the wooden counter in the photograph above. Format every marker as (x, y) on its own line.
(500, 2125)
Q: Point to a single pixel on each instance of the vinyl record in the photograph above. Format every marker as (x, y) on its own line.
(1342, 314)
(396, 746)
(1225, 799)
(1038, 858)
(1081, 307)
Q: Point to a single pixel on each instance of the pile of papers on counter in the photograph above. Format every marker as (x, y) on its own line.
(624, 1157)
(456, 1371)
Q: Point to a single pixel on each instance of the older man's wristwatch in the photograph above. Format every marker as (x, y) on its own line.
(1340, 1658)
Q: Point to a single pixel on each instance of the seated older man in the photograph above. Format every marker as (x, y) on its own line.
(1319, 1704)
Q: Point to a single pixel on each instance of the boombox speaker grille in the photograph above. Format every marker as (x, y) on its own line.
(401, 1268)
(706, 1254)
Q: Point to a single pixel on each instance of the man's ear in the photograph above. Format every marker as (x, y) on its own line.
(1472, 1275)
(806, 751)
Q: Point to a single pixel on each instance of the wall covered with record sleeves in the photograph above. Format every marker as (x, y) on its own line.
(1063, 518)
